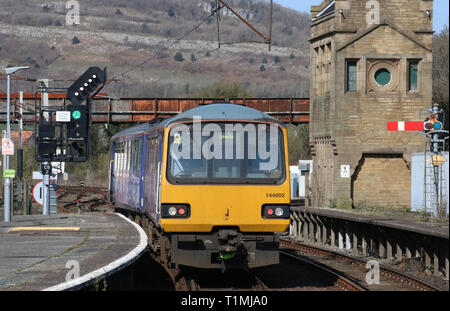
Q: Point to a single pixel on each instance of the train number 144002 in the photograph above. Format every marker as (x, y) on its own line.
(275, 195)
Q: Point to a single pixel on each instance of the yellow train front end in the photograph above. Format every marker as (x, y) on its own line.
(223, 208)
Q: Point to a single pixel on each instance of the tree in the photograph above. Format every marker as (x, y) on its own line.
(171, 12)
(277, 59)
(292, 56)
(75, 40)
(193, 59)
(264, 61)
(178, 57)
(298, 142)
(262, 68)
(440, 71)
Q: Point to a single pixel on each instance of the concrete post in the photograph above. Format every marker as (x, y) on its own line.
(364, 245)
(348, 244)
(307, 202)
(408, 252)
(436, 263)
(427, 259)
(340, 240)
(332, 237)
(388, 249)
(381, 249)
(399, 252)
(318, 229)
(7, 198)
(311, 228)
(447, 267)
(355, 242)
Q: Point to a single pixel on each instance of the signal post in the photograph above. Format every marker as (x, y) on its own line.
(433, 129)
(62, 132)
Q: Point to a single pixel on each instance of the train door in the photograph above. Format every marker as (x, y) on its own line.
(134, 172)
(151, 176)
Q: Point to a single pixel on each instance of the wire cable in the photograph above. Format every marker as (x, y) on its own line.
(169, 46)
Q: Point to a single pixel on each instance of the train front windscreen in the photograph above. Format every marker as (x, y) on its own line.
(226, 153)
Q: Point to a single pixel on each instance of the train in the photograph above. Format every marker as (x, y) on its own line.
(210, 186)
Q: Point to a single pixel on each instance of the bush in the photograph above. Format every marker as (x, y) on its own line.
(277, 59)
(264, 61)
(262, 68)
(224, 90)
(193, 59)
(178, 57)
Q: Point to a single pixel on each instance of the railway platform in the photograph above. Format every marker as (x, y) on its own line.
(417, 225)
(382, 237)
(66, 252)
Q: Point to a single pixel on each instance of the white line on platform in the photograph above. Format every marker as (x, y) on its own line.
(131, 256)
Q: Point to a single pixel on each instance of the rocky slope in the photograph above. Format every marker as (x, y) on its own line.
(121, 34)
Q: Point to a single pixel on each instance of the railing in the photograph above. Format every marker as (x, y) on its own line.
(132, 110)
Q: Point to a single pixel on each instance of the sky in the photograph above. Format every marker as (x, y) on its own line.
(440, 10)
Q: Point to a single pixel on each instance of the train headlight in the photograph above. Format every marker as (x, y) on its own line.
(172, 211)
(279, 211)
(175, 211)
(276, 211)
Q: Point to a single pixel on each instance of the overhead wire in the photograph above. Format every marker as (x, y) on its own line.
(170, 45)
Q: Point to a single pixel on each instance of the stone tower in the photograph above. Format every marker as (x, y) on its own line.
(371, 62)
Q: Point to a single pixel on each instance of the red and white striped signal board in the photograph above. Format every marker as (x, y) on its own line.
(401, 126)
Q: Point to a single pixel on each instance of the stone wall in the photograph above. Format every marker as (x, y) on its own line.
(382, 180)
(354, 123)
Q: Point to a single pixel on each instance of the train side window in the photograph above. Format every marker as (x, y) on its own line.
(133, 157)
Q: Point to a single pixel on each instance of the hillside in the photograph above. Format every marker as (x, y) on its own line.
(120, 34)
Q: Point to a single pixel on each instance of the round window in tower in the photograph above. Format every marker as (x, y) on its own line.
(383, 77)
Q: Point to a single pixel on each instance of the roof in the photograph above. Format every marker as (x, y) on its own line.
(329, 9)
(214, 112)
(374, 27)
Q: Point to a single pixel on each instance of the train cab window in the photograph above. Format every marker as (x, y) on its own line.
(223, 163)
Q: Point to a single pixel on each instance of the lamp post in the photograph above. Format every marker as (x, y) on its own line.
(7, 197)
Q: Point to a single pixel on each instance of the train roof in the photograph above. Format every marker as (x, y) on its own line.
(212, 112)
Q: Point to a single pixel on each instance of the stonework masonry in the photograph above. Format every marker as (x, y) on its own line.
(371, 62)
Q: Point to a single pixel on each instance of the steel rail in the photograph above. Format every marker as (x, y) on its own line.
(342, 281)
(388, 272)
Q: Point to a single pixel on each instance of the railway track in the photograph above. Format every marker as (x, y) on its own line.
(315, 277)
(342, 281)
(342, 272)
(354, 267)
(83, 199)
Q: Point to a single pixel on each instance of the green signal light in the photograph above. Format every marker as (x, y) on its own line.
(76, 114)
(227, 255)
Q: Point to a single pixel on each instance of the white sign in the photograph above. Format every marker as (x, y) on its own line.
(345, 171)
(38, 193)
(63, 116)
(38, 176)
(7, 146)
